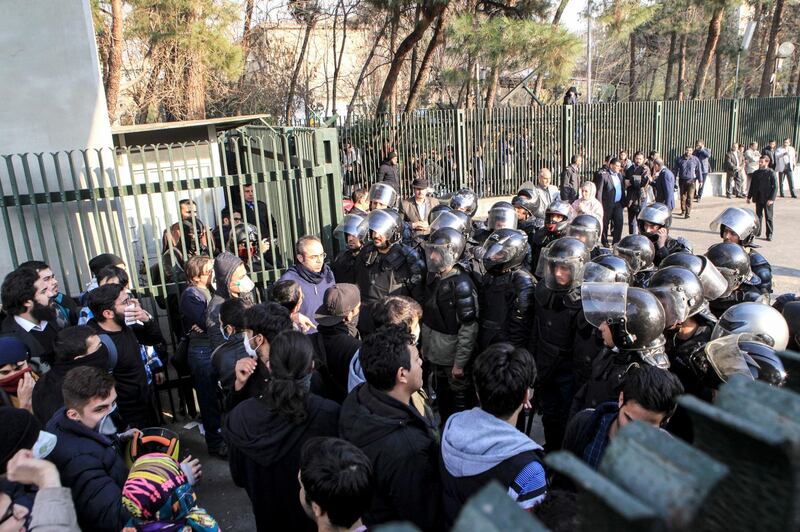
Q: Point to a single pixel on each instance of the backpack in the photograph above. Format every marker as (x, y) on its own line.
(112, 351)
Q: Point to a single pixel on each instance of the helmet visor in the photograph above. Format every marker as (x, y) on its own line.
(501, 219)
(353, 225)
(676, 306)
(604, 302)
(597, 273)
(632, 256)
(737, 220)
(714, 283)
(726, 358)
(439, 257)
(383, 224)
(383, 193)
(448, 219)
(495, 254)
(584, 234)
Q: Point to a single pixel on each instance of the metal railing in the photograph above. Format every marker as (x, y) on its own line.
(494, 151)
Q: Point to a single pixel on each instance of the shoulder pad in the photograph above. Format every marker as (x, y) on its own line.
(522, 279)
(757, 259)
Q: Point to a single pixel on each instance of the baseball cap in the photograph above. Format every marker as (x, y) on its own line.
(339, 299)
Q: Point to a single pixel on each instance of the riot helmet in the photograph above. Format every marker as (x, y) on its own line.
(382, 196)
(505, 249)
(585, 228)
(449, 219)
(733, 263)
(443, 249)
(436, 211)
(725, 357)
(791, 313)
(564, 262)
(743, 354)
(763, 321)
(354, 226)
(714, 284)
(740, 221)
(634, 317)
(654, 214)
(530, 202)
(638, 251)
(383, 223)
(244, 242)
(465, 200)
(466, 220)
(766, 365)
(607, 268)
(556, 217)
(679, 291)
(501, 216)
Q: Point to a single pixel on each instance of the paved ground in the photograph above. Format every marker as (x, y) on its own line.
(230, 505)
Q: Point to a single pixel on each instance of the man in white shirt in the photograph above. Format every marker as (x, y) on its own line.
(417, 208)
(785, 161)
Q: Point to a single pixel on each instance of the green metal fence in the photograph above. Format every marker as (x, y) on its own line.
(514, 143)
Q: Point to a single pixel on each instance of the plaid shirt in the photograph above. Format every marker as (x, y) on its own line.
(594, 451)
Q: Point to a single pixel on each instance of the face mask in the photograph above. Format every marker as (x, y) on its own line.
(245, 285)
(10, 383)
(415, 333)
(222, 331)
(44, 445)
(106, 425)
(247, 347)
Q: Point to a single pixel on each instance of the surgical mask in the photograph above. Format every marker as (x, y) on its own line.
(246, 285)
(44, 445)
(415, 333)
(249, 348)
(222, 331)
(107, 425)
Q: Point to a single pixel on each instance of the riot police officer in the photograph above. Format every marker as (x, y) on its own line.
(530, 211)
(354, 229)
(505, 294)
(739, 225)
(556, 221)
(385, 266)
(639, 252)
(501, 216)
(449, 321)
(384, 196)
(560, 338)
(733, 263)
(654, 223)
(587, 229)
(466, 201)
(607, 269)
(763, 321)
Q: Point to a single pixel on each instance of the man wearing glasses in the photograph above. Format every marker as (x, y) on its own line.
(311, 273)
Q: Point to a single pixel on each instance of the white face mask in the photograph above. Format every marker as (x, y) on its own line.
(106, 425)
(44, 445)
(222, 331)
(246, 285)
(415, 333)
(249, 348)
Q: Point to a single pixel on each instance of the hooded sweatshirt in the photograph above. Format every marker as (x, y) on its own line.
(477, 448)
(312, 284)
(224, 266)
(264, 449)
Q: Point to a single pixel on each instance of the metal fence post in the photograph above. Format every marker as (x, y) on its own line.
(796, 135)
(567, 141)
(460, 147)
(734, 124)
(658, 126)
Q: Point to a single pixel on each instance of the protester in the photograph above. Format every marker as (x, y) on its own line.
(360, 199)
(266, 434)
(762, 192)
(785, 163)
(17, 379)
(289, 295)
(231, 325)
(417, 208)
(388, 173)
(570, 178)
(311, 273)
(66, 307)
(688, 170)
(588, 203)
(231, 282)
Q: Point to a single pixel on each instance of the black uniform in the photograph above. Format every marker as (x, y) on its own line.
(761, 268)
(671, 246)
(344, 267)
(540, 240)
(748, 291)
(506, 302)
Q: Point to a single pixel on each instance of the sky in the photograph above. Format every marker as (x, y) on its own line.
(572, 18)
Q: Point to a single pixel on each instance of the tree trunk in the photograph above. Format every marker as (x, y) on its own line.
(296, 73)
(681, 68)
(246, 33)
(562, 5)
(414, 52)
(651, 86)
(491, 89)
(392, 50)
(389, 85)
(114, 59)
(772, 50)
(632, 67)
(717, 76)
(714, 29)
(469, 97)
(793, 77)
(363, 73)
(195, 86)
(673, 37)
(338, 60)
(422, 77)
(749, 71)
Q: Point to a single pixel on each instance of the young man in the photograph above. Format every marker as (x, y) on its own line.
(28, 299)
(763, 190)
(378, 418)
(637, 178)
(224, 358)
(571, 179)
(648, 395)
(86, 453)
(663, 184)
(65, 306)
(483, 444)
(113, 308)
(609, 183)
(360, 198)
(703, 154)
(785, 161)
(311, 273)
(688, 171)
(335, 484)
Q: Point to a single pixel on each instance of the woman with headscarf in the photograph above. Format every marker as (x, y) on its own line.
(587, 203)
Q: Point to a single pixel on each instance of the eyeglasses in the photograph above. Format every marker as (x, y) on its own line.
(317, 257)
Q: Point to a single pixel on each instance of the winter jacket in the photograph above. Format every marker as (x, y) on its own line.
(336, 345)
(264, 449)
(224, 359)
(224, 266)
(477, 448)
(570, 183)
(688, 168)
(193, 305)
(583, 427)
(344, 267)
(404, 454)
(40, 344)
(91, 466)
(763, 186)
(53, 511)
(785, 159)
(703, 155)
(664, 188)
(313, 286)
(388, 173)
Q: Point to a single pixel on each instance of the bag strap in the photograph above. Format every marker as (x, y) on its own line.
(112, 351)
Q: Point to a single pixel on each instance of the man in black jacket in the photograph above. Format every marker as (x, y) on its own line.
(637, 178)
(571, 179)
(31, 315)
(224, 358)
(378, 418)
(763, 190)
(388, 173)
(113, 310)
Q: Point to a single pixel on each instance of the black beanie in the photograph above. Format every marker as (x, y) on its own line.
(101, 261)
(20, 431)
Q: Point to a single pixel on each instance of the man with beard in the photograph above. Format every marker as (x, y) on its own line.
(354, 230)
(66, 308)
(113, 310)
(28, 301)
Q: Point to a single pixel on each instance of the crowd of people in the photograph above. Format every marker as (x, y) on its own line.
(392, 381)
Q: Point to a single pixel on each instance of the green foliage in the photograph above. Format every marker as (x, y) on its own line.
(623, 17)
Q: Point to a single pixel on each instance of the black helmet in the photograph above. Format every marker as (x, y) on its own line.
(714, 284)
(679, 291)
(529, 201)
(768, 366)
(443, 249)
(763, 321)
(742, 354)
(385, 223)
(634, 316)
(450, 219)
(557, 208)
(791, 313)
(740, 220)
(353, 224)
(501, 216)
(655, 214)
(505, 249)
(384, 194)
(465, 219)
(244, 243)
(438, 210)
(564, 257)
(585, 228)
(465, 200)
(608, 269)
(733, 263)
(638, 251)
